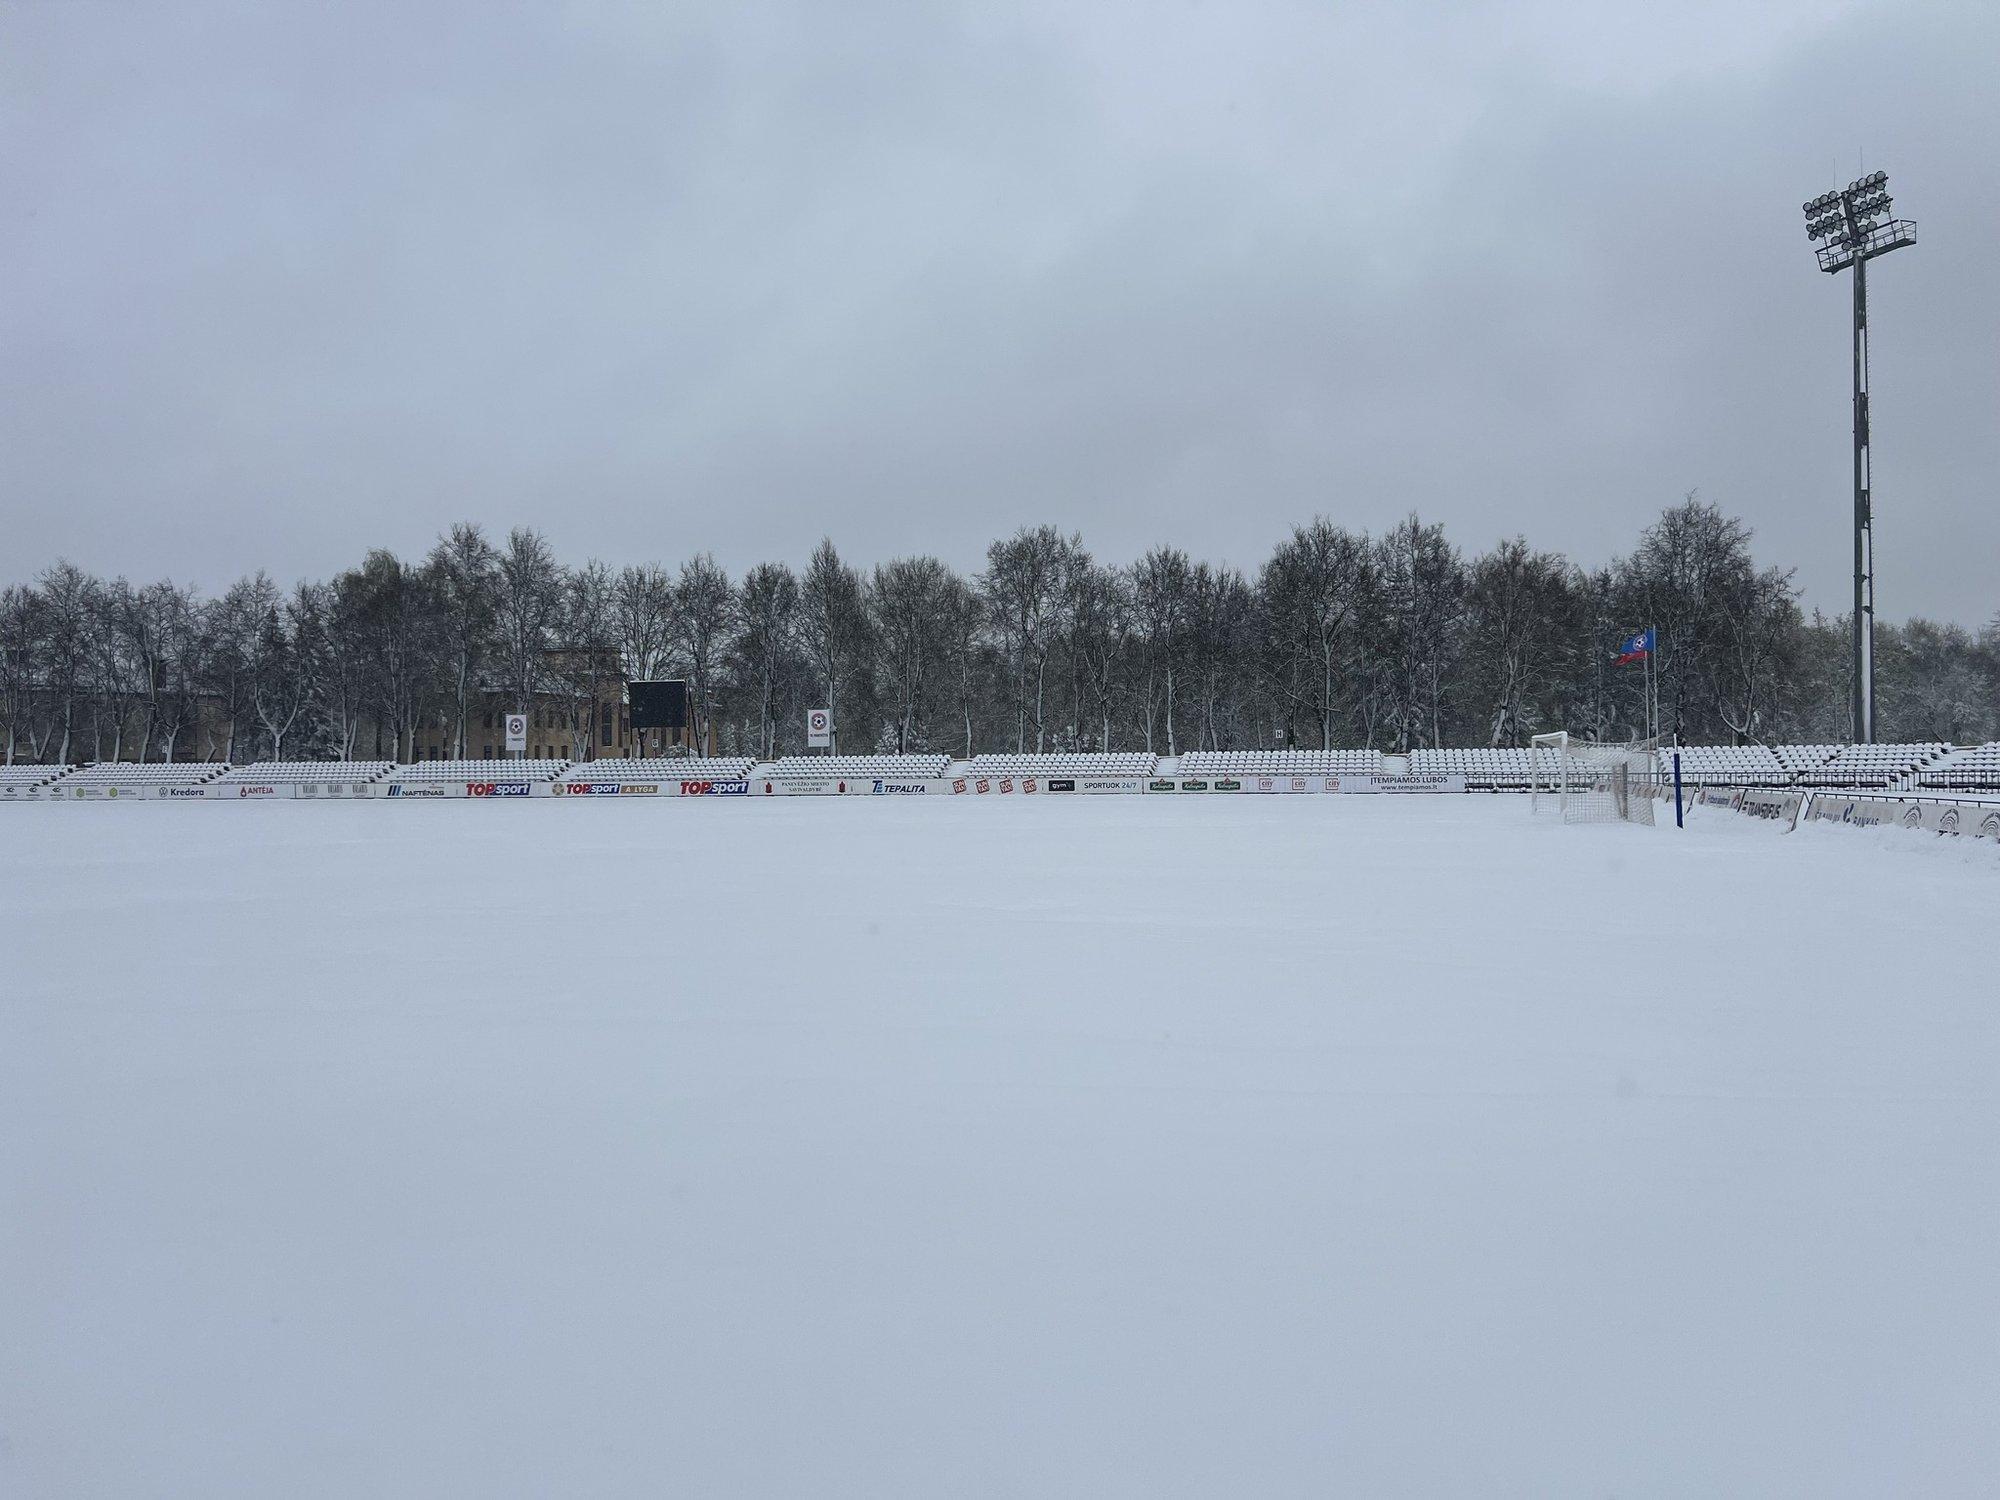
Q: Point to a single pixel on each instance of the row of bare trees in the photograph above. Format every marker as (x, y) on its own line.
(1339, 638)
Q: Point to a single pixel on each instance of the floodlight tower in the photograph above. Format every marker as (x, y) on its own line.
(1853, 225)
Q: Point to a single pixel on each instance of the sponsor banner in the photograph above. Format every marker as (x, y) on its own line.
(1778, 807)
(1888, 812)
(1940, 817)
(1104, 784)
(1285, 783)
(314, 791)
(585, 788)
(708, 788)
(194, 793)
(1397, 784)
(1353, 786)
(927, 786)
(1062, 784)
(407, 790)
(1860, 812)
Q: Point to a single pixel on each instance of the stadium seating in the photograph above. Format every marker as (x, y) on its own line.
(1495, 768)
(1869, 766)
(137, 773)
(1282, 763)
(858, 767)
(1799, 758)
(30, 776)
(1974, 768)
(479, 770)
(326, 772)
(1725, 765)
(682, 768)
(1116, 764)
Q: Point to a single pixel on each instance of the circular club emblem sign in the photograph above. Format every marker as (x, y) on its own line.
(517, 726)
(818, 720)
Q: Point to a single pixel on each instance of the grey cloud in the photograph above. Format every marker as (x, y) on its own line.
(294, 281)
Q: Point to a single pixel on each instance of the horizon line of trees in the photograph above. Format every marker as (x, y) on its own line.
(1397, 642)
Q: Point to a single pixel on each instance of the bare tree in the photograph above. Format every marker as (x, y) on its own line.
(22, 634)
(704, 618)
(905, 599)
(961, 622)
(587, 663)
(530, 599)
(768, 611)
(68, 600)
(1022, 586)
(1521, 628)
(331, 615)
(280, 677)
(464, 578)
(1422, 586)
(1162, 585)
(1315, 585)
(832, 625)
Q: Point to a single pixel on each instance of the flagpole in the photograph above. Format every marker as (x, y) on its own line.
(1653, 677)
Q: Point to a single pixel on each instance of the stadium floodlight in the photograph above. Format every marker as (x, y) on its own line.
(1849, 228)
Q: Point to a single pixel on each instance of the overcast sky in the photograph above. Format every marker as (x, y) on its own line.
(282, 282)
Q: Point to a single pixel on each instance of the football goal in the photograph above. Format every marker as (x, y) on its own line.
(1585, 782)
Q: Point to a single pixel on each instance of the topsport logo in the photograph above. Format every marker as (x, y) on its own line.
(496, 789)
(587, 789)
(719, 788)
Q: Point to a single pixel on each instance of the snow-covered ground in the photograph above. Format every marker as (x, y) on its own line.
(1109, 1146)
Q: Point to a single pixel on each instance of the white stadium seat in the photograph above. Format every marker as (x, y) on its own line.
(479, 770)
(326, 772)
(858, 767)
(1282, 763)
(1973, 768)
(668, 768)
(1485, 768)
(148, 773)
(1116, 764)
(20, 776)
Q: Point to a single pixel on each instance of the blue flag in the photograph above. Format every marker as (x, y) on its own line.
(1638, 648)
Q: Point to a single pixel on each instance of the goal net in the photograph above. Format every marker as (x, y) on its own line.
(1586, 782)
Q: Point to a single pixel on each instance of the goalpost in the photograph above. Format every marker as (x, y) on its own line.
(1586, 782)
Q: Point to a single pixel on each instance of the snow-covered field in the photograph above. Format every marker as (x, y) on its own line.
(1116, 1146)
